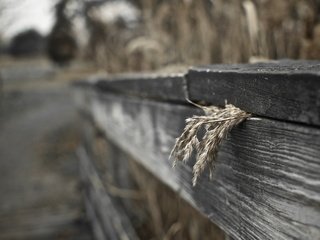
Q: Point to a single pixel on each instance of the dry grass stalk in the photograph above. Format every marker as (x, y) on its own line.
(216, 122)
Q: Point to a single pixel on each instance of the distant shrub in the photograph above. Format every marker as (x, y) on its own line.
(27, 43)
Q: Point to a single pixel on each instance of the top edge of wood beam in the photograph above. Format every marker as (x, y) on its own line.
(285, 90)
(163, 87)
(282, 67)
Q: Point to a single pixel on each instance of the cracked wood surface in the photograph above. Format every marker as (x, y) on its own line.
(283, 90)
(266, 183)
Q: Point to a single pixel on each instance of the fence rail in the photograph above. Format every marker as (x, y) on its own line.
(266, 183)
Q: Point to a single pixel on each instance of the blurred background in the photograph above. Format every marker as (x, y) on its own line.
(46, 45)
(139, 35)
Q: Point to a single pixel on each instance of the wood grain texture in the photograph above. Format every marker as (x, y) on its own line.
(266, 184)
(285, 90)
(152, 86)
(108, 219)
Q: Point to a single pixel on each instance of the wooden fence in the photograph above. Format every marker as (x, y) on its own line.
(266, 183)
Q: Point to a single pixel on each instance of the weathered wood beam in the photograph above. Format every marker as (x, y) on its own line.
(284, 90)
(152, 86)
(266, 184)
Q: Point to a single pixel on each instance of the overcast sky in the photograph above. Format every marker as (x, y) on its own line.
(21, 15)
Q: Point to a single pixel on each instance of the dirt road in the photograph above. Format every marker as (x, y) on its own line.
(39, 189)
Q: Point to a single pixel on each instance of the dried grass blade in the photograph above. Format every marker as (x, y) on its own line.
(217, 123)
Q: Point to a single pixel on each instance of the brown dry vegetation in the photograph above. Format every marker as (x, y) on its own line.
(217, 123)
(193, 32)
(156, 211)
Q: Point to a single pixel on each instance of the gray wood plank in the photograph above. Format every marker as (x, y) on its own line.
(266, 183)
(285, 90)
(152, 86)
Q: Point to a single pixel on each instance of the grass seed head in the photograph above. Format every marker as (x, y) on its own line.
(216, 123)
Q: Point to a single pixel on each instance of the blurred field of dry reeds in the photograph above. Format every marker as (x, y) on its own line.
(156, 211)
(193, 32)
